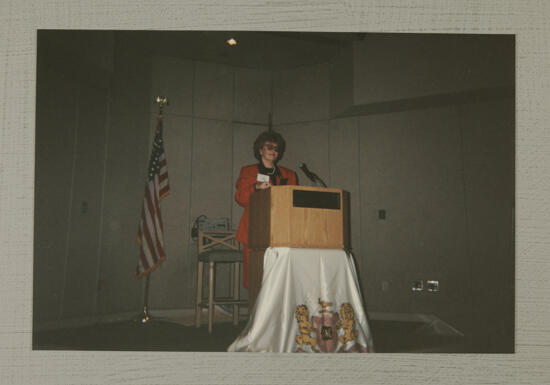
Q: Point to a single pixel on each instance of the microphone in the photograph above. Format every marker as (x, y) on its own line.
(311, 175)
(302, 166)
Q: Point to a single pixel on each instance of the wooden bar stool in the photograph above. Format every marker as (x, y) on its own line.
(217, 246)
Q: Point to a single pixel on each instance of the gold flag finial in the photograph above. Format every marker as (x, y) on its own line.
(162, 101)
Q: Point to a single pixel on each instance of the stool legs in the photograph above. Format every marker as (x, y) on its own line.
(210, 296)
(236, 285)
(235, 274)
(198, 300)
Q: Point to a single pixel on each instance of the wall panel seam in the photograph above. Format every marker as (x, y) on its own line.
(70, 206)
(102, 204)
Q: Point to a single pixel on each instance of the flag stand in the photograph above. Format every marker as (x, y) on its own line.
(145, 317)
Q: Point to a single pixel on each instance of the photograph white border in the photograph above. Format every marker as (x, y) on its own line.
(528, 20)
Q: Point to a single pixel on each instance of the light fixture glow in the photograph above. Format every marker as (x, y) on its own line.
(231, 42)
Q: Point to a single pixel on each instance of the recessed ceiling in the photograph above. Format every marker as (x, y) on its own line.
(263, 50)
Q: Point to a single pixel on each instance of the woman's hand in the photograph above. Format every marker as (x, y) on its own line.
(262, 186)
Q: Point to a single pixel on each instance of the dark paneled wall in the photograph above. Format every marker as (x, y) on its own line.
(443, 174)
(72, 125)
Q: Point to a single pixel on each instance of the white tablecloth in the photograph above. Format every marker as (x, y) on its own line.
(309, 302)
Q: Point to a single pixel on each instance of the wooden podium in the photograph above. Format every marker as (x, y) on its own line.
(294, 216)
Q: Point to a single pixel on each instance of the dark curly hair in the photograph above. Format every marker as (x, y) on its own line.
(269, 136)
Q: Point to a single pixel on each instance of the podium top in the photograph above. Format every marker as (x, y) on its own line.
(306, 188)
(309, 197)
(299, 216)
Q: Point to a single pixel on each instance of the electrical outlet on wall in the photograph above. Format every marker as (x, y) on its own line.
(417, 286)
(432, 286)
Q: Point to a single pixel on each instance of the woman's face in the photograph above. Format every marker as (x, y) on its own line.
(269, 152)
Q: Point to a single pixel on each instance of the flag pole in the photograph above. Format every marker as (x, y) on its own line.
(145, 317)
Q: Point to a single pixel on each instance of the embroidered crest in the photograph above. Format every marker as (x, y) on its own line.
(305, 327)
(347, 324)
(325, 326)
(333, 332)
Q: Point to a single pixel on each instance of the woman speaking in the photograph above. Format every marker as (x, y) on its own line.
(269, 148)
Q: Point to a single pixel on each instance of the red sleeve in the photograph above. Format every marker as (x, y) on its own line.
(245, 186)
(293, 180)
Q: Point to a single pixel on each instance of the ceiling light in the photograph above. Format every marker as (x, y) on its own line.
(231, 42)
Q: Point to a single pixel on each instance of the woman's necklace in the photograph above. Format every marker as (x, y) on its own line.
(265, 169)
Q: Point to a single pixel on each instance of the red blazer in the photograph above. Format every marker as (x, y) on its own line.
(245, 188)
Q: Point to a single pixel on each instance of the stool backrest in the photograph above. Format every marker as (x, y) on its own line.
(215, 239)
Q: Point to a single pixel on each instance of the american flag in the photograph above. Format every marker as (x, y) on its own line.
(150, 233)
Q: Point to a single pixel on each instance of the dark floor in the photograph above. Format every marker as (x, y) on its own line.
(389, 336)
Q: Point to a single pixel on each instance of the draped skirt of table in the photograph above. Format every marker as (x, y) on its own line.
(310, 301)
